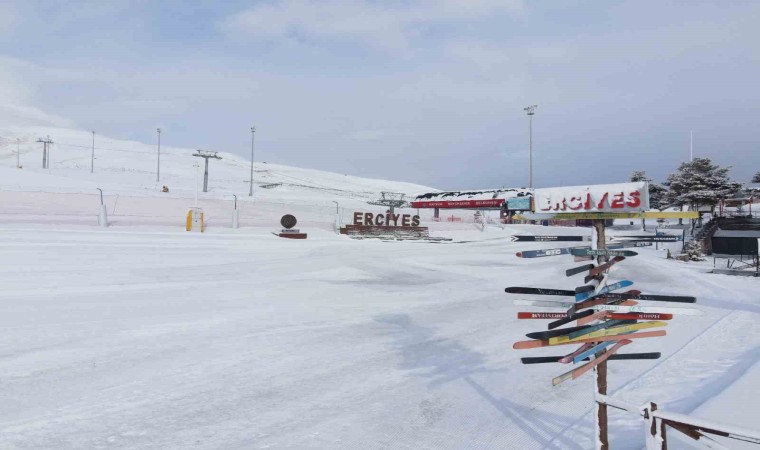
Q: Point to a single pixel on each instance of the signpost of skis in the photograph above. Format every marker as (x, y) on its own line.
(607, 319)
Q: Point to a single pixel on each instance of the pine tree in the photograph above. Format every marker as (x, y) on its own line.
(700, 183)
(756, 178)
(656, 190)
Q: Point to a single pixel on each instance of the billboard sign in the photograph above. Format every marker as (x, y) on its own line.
(519, 203)
(599, 198)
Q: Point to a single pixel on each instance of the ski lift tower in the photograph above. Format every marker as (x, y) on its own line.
(206, 155)
(392, 200)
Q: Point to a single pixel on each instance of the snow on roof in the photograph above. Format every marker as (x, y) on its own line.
(479, 194)
(737, 234)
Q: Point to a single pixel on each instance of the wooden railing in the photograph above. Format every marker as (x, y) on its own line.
(657, 421)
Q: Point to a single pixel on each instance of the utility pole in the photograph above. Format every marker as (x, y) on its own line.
(531, 110)
(196, 183)
(158, 155)
(45, 150)
(206, 155)
(250, 188)
(92, 158)
(18, 153)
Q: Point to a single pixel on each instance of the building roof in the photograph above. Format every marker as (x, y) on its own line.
(737, 234)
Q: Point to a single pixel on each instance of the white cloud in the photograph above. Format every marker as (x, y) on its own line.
(379, 25)
(17, 96)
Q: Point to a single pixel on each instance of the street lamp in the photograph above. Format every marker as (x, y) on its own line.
(531, 110)
(158, 155)
(250, 188)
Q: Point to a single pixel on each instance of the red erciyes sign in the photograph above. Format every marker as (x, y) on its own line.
(597, 198)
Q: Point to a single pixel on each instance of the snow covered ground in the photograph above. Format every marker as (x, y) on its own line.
(142, 335)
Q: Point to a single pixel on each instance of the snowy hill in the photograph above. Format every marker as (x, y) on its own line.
(126, 172)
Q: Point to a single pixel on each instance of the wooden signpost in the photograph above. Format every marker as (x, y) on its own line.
(601, 333)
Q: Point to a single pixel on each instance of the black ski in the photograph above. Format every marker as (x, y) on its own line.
(579, 269)
(625, 356)
(609, 295)
(538, 291)
(582, 289)
(570, 318)
(526, 238)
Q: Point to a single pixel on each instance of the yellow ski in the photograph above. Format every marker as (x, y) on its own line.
(613, 331)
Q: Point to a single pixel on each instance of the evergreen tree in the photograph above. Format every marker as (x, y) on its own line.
(656, 190)
(700, 183)
(756, 178)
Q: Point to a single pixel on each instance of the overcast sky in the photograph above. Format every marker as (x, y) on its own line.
(419, 90)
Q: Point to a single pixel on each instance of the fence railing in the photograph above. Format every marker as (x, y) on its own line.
(656, 423)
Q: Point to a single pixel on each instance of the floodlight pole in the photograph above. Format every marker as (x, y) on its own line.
(250, 188)
(531, 110)
(158, 155)
(92, 158)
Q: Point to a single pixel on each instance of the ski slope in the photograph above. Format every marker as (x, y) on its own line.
(142, 335)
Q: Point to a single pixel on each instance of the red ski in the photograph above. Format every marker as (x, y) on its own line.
(602, 268)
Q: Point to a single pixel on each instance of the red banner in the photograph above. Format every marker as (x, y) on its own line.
(454, 204)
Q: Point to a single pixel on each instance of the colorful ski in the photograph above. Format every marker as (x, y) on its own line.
(597, 315)
(649, 309)
(526, 238)
(604, 299)
(614, 295)
(554, 333)
(592, 351)
(584, 289)
(614, 331)
(569, 318)
(600, 326)
(602, 267)
(580, 296)
(637, 316)
(650, 238)
(522, 345)
(575, 373)
(545, 315)
(545, 304)
(579, 269)
(569, 358)
(616, 357)
(538, 291)
(602, 252)
(545, 252)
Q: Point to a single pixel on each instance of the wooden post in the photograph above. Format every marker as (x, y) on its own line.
(600, 373)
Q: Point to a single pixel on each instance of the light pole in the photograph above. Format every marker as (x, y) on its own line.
(250, 188)
(158, 156)
(337, 207)
(92, 158)
(197, 166)
(18, 153)
(530, 110)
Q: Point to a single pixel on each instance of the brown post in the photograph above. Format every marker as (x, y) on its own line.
(601, 413)
(601, 370)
